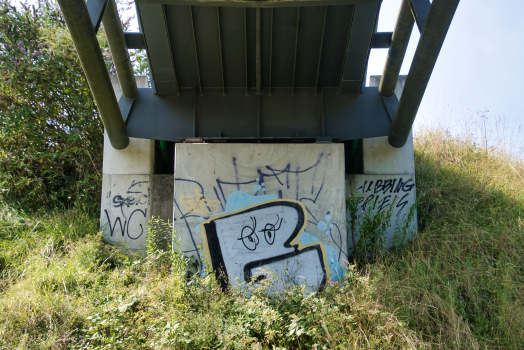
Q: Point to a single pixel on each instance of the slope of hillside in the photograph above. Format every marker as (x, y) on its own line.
(458, 285)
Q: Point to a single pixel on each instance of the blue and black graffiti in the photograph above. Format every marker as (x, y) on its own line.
(285, 180)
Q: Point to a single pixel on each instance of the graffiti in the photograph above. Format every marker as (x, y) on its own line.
(385, 193)
(237, 254)
(395, 193)
(249, 237)
(239, 185)
(127, 223)
(125, 214)
(198, 204)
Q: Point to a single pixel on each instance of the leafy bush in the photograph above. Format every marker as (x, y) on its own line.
(51, 136)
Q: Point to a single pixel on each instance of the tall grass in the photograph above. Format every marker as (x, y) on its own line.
(458, 285)
(63, 288)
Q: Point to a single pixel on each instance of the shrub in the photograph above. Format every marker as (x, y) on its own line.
(50, 131)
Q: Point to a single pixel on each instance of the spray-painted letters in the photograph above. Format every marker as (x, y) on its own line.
(125, 209)
(260, 242)
(241, 180)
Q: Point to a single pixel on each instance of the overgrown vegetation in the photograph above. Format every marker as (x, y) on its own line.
(64, 288)
(51, 135)
(458, 285)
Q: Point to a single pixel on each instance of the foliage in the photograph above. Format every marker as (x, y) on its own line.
(366, 227)
(63, 288)
(50, 131)
(51, 136)
(460, 284)
(163, 247)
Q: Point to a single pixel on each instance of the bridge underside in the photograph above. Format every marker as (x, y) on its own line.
(258, 73)
(255, 70)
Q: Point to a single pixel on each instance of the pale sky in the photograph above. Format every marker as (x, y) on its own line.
(479, 67)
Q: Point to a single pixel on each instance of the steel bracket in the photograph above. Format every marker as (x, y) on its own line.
(420, 9)
(96, 9)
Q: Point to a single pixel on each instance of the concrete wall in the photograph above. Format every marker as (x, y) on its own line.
(259, 209)
(126, 187)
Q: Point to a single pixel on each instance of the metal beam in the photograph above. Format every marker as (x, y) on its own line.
(296, 47)
(437, 24)
(221, 56)
(382, 40)
(397, 50)
(135, 40)
(258, 53)
(96, 10)
(420, 10)
(117, 44)
(245, 49)
(238, 116)
(153, 24)
(259, 3)
(83, 35)
(320, 50)
(196, 50)
(359, 44)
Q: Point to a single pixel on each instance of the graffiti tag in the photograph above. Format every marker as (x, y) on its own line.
(198, 204)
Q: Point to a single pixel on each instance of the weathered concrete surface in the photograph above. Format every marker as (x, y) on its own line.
(126, 209)
(139, 156)
(162, 197)
(126, 203)
(381, 192)
(379, 156)
(382, 159)
(261, 196)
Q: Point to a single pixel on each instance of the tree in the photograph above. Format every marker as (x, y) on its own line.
(51, 136)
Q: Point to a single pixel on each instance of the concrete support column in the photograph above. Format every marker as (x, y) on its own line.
(388, 179)
(126, 186)
(262, 210)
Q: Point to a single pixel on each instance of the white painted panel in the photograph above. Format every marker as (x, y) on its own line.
(302, 269)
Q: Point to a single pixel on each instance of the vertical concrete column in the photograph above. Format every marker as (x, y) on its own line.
(126, 186)
(379, 157)
(388, 180)
(257, 211)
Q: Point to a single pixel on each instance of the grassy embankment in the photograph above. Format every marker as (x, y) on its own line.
(459, 285)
